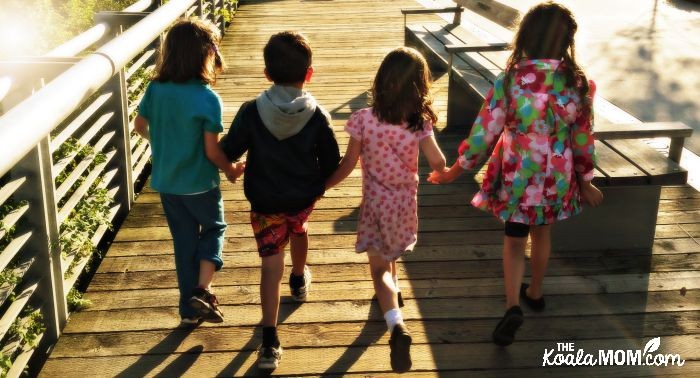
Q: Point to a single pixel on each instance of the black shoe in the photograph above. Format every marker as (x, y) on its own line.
(300, 285)
(400, 299)
(400, 345)
(206, 305)
(504, 334)
(534, 304)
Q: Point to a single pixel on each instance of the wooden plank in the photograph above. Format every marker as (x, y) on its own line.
(458, 288)
(227, 338)
(163, 258)
(617, 169)
(129, 280)
(361, 359)
(606, 130)
(661, 170)
(447, 36)
(426, 309)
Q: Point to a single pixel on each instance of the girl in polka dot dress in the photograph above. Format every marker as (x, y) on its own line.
(536, 125)
(386, 138)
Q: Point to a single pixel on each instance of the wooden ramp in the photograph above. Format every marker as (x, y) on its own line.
(452, 283)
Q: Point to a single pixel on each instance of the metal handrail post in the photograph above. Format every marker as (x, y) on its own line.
(120, 124)
(41, 219)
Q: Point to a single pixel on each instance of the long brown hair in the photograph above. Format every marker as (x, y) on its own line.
(401, 90)
(547, 32)
(187, 53)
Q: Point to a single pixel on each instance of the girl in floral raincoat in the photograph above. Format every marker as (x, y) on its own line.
(536, 126)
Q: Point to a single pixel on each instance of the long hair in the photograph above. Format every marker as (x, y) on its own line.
(190, 51)
(401, 90)
(547, 32)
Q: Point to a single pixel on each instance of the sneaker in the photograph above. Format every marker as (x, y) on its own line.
(504, 334)
(206, 305)
(189, 322)
(534, 304)
(300, 285)
(400, 299)
(400, 345)
(269, 357)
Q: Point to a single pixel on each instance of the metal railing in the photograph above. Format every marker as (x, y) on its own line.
(69, 160)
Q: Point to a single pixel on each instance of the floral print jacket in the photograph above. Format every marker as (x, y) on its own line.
(540, 140)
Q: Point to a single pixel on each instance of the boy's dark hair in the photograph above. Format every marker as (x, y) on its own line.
(287, 57)
(547, 31)
(186, 53)
(401, 90)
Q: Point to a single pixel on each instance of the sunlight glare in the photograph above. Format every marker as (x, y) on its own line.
(16, 35)
(5, 84)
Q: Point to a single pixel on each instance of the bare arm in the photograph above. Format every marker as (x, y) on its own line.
(432, 152)
(141, 127)
(216, 155)
(346, 165)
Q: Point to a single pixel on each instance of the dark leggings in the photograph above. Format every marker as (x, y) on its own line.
(517, 230)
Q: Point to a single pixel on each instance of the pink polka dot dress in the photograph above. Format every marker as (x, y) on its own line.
(389, 159)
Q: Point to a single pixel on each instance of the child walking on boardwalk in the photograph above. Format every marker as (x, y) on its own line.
(291, 152)
(386, 138)
(536, 125)
(181, 117)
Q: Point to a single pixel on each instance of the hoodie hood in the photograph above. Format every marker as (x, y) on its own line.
(285, 110)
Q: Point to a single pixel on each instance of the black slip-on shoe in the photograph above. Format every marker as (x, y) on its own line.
(504, 334)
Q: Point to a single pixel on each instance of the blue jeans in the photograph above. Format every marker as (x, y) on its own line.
(197, 225)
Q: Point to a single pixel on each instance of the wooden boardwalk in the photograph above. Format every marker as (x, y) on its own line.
(452, 282)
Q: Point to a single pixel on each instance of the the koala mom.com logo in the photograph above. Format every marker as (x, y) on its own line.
(567, 354)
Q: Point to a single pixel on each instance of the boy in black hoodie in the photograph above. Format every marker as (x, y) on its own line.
(291, 152)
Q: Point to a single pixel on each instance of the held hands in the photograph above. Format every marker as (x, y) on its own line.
(590, 194)
(445, 176)
(235, 171)
(440, 177)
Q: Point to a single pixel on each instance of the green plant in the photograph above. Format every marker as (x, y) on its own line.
(27, 328)
(76, 301)
(5, 364)
(91, 213)
(8, 277)
(142, 76)
(9, 206)
(224, 11)
(83, 152)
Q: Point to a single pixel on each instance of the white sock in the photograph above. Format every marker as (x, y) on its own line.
(393, 317)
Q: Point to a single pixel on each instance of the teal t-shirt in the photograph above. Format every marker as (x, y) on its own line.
(178, 114)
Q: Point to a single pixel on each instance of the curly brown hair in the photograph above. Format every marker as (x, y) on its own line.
(190, 51)
(547, 32)
(401, 90)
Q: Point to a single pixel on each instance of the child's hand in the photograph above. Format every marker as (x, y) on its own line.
(590, 194)
(439, 177)
(445, 176)
(235, 171)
